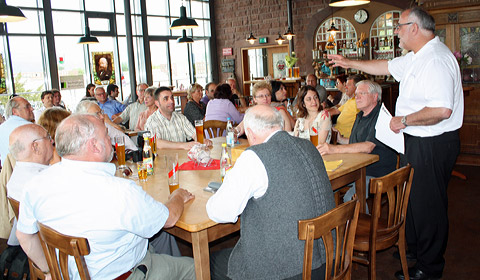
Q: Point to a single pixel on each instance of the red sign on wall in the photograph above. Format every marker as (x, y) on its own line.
(227, 51)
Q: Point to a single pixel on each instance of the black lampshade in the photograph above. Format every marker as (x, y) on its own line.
(10, 13)
(332, 28)
(280, 39)
(184, 38)
(251, 39)
(87, 39)
(347, 3)
(289, 34)
(183, 22)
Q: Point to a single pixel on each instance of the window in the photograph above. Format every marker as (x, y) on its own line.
(344, 40)
(383, 41)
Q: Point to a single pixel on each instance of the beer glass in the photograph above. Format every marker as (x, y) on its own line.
(142, 171)
(199, 130)
(153, 144)
(314, 135)
(120, 149)
(172, 172)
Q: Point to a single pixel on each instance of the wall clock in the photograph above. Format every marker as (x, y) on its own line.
(361, 16)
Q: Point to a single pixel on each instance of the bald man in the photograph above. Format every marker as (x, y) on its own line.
(32, 148)
(18, 112)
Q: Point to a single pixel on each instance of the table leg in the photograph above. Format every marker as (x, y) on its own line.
(360, 189)
(201, 254)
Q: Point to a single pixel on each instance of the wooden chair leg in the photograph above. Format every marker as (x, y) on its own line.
(372, 265)
(402, 249)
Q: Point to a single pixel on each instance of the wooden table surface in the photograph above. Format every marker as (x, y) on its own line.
(194, 225)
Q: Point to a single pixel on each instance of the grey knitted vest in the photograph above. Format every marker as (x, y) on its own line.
(298, 188)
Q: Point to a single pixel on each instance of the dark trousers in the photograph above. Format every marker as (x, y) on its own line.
(432, 159)
(219, 267)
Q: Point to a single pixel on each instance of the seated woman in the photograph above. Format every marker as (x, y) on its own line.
(221, 108)
(194, 110)
(311, 114)
(149, 99)
(262, 96)
(50, 119)
(279, 99)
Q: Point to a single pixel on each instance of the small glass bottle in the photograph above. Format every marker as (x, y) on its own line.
(147, 155)
(230, 134)
(225, 161)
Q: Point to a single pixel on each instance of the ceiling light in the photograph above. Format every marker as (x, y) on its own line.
(10, 13)
(347, 3)
(289, 34)
(251, 39)
(183, 22)
(184, 38)
(280, 39)
(333, 29)
(88, 38)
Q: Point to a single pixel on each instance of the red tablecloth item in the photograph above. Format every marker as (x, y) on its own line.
(190, 165)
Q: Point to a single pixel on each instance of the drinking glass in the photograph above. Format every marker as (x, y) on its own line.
(172, 172)
(120, 149)
(142, 171)
(199, 130)
(314, 136)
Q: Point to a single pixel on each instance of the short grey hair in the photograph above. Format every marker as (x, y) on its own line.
(73, 133)
(150, 91)
(141, 84)
(422, 18)
(84, 106)
(260, 122)
(372, 88)
(28, 134)
(12, 104)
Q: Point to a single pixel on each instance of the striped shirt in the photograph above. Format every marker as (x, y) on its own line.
(177, 129)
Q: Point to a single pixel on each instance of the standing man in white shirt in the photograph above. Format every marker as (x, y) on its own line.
(429, 111)
(271, 200)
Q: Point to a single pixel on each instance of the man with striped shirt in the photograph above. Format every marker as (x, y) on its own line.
(172, 129)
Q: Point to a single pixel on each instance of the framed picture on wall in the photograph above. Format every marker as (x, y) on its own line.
(103, 68)
(3, 84)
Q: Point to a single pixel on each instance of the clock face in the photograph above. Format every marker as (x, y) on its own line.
(361, 16)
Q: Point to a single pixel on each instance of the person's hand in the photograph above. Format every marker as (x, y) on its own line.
(208, 142)
(184, 194)
(188, 145)
(324, 149)
(396, 124)
(339, 60)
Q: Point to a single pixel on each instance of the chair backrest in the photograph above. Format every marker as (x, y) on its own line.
(396, 187)
(214, 128)
(35, 272)
(337, 229)
(66, 245)
(15, 205)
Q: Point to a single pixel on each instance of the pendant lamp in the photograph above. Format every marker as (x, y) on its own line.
(289, 34)
(88, 38)
(184, 38)
(347, 3)
(332, 30)
(280, 39)
(251, 39)
(10, 13)
(183, 22)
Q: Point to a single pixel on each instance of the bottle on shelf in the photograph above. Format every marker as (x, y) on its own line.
(230, 134)
(225, 160)
(147, 154)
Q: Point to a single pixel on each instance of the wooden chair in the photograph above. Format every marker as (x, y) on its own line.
(214, 128)
(342, 219)
(35, 272)
(378, 233)
(66, 245)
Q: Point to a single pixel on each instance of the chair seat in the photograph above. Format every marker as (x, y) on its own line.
(362, 235)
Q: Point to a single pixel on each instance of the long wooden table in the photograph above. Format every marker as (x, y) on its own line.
(194, 225)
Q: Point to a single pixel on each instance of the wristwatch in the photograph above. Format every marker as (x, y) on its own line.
(404, 121)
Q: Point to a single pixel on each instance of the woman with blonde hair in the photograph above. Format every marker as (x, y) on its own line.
(50, 119)
(194, 110)
(149, 100)
(311, 114)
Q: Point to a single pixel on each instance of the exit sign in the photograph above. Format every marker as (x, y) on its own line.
(263, 40)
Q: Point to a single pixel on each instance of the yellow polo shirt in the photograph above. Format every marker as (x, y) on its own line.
(348, 113)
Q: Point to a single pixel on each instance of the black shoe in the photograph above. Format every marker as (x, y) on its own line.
(410, 256)
(416, 274)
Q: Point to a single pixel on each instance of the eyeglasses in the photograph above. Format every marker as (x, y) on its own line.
(398, 25)
(263, 96)
(45, 137)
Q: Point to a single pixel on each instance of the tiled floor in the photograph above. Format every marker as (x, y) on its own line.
(464, 242)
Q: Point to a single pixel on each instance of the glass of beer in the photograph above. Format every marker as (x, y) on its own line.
(142, 171)
(314, 136)
(120, 149)
(153, 144)
(172, 172)
(199, 130)
(296, 72)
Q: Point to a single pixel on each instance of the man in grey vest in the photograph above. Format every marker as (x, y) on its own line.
(279, 180)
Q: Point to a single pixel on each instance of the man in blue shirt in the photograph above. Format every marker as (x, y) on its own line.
(18, 112)
(110, 107)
